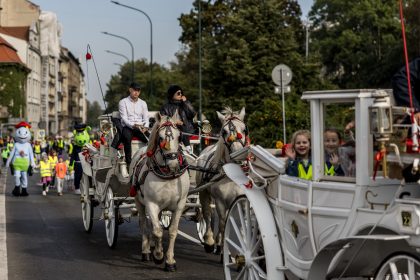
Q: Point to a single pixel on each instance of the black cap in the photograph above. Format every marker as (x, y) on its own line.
(135, 86)
(80, 127)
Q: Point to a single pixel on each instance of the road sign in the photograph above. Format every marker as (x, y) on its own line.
(281, 75)
(286, 89)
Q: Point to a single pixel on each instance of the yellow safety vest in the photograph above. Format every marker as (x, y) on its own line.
(53, 161)
(307, 175)
(37, 149)
(60, 143)
(45, 169)
(302, 173)
(329, 171)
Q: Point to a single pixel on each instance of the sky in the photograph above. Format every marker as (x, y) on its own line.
(82, 22)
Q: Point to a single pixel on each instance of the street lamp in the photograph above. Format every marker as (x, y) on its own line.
(132, 51)
(151, 40)
(119, 54)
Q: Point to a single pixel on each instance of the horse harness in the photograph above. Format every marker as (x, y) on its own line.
(233, 134)
(163, 171)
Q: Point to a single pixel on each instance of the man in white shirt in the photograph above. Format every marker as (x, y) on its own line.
(134, 118)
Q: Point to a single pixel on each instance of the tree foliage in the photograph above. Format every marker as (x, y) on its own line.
(94, 110)
(359, 42)
(242, 41)
(162, 78)
(12, 88)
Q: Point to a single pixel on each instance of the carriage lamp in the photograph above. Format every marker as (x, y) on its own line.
(206, 127)
(381, 116)
(381, 123)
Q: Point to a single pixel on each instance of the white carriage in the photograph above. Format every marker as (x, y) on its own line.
(106, 183)
(365, 225)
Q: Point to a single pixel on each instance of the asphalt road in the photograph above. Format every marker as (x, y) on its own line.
(46, 240)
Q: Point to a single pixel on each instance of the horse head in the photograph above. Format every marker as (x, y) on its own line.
(164, 145)
(234, 132)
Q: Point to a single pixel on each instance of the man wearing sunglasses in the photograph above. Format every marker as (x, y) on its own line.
(178, 101)
(134, 119)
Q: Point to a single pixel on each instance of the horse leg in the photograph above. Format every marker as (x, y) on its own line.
(157, 232)
(205, 200)
(170, 264)
(144, 231)
(221, 213)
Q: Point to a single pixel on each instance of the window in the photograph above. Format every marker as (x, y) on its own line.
(338, 138)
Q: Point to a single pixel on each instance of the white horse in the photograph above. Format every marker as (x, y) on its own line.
(233, 137)
(164, 187)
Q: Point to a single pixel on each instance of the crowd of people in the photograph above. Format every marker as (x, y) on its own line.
(51, 156)
(56, 158)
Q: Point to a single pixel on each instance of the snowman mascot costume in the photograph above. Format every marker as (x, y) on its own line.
(21, 157)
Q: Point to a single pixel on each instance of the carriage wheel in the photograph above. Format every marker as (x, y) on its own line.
(243, 250)
(165, 218)
(399, 267)
(111, 215)
(86, 201)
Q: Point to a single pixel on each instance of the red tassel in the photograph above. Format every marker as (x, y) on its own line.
(162, 144)
(88, 56)
(149, 153)
(249, 185)
(133, 191)
(239, 135)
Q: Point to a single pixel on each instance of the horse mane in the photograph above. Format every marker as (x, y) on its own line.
(153, 136)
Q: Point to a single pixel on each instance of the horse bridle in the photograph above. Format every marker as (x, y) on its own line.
(233, 135)
(168, 137)
(163, 171)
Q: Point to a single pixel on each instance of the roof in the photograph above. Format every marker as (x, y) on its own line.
(20, 32)
(8, 53)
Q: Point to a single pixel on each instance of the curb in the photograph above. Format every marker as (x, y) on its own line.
(3, 246)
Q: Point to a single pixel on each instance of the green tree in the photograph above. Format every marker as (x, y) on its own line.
(358, 41)
(162, 77)
(12, 88)
(94, 110)
(242, 41)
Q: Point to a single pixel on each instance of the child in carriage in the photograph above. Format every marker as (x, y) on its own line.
(333, 159)
(299, 155)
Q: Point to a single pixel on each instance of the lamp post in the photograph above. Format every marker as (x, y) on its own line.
(151, 40)
(132, 51)
(119, 54)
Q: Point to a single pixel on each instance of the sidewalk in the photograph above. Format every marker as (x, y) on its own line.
(3, 247)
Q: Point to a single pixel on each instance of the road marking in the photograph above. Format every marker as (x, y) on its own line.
(3, 247)
(189, 237)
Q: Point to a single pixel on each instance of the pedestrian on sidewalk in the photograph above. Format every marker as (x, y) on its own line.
(60, 173)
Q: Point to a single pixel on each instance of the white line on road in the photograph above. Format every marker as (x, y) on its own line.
(3, 247)
(189, 237)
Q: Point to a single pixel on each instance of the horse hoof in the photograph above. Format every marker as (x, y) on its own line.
(156, 260)
(218, 250)
(209, 248)
(146, 257)
(170, 267)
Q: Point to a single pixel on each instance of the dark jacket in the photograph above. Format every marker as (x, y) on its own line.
(400, 85)
(185, 111)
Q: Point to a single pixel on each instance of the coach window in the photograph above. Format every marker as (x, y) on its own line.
(338, 140)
